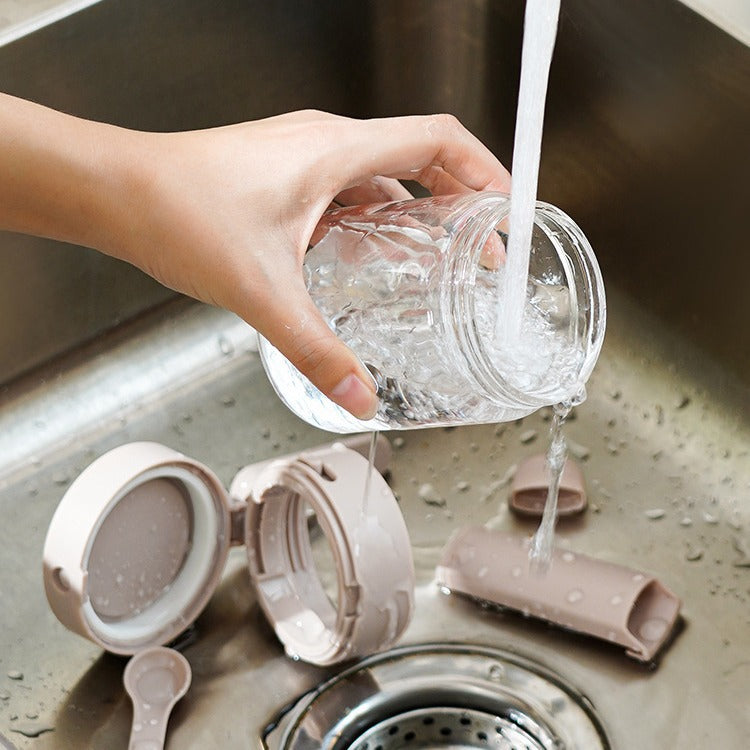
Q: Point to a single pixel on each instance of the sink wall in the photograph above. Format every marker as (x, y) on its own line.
(647, 139)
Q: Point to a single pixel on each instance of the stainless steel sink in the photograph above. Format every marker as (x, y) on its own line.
(647, 146)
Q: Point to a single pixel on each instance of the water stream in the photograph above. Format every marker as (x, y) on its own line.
(368, 477)
(540, 30)
(540, 553)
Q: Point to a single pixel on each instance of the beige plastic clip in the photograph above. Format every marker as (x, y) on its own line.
(581, 593)
(369, 541)
(528, 491)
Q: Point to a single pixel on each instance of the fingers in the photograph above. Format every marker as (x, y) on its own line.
(409, 147)
(292, 323)
(375, 190)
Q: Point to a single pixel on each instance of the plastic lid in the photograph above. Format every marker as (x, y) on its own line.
(136, 547)
(367, 536)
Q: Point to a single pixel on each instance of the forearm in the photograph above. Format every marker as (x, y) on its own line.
(64, 177)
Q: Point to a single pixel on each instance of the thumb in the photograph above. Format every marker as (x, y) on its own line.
(293, 324)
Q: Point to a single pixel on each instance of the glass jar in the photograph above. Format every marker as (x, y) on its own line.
(415, 288)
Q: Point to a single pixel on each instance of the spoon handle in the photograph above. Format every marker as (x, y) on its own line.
(149, 727)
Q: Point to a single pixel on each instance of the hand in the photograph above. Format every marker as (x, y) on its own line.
(225, 215)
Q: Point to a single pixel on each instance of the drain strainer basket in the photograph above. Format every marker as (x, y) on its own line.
(449, 728)
(440, 697)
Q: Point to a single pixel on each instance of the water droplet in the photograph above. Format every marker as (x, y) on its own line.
(497, 672)
(615, 600)
(574, 596)
(653, 629)
(430, 496)
(710, 518)
(568, 557)
(462, 485)
(638, 577)
(482, 572)
(516, 571)
(398, 442)
(686, 521)
(445, 590)
(15, 674)
(226, 347)
(581, 452)
(654, 514)
(529, 436)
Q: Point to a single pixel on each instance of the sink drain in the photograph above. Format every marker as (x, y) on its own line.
(440, 697)
(448, 728)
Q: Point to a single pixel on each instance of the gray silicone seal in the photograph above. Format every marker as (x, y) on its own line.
(581, 593)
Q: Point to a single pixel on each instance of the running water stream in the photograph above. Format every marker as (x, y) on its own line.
(540, 30)
(368, 477)
(540, 553)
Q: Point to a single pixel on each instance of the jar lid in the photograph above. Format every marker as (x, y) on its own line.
(136, 547)
(368, 539)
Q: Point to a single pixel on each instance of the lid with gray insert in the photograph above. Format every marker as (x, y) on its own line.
(136, 547)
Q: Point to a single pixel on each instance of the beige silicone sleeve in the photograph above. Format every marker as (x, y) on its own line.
(581, 593)
(370, 546)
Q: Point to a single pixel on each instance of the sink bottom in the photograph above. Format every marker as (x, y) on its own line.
(441, 696)
(664, 443)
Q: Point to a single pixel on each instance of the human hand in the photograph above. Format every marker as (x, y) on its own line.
(225, 215)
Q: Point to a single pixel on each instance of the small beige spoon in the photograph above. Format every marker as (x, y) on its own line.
(155, 678)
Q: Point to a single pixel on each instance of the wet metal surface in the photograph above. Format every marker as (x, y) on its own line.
(663, 429)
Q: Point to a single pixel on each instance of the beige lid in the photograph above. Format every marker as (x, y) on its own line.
(136, 547)
(369, 541)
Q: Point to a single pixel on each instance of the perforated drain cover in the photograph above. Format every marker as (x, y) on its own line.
(440, 697)
(447, 728)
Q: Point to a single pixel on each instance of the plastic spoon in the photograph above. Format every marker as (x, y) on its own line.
(155, 679)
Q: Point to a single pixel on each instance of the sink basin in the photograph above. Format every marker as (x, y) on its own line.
(647, 146)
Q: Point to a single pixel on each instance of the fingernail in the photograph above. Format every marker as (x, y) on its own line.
(356, 397)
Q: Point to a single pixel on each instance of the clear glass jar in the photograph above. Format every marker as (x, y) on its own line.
(415, 288)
